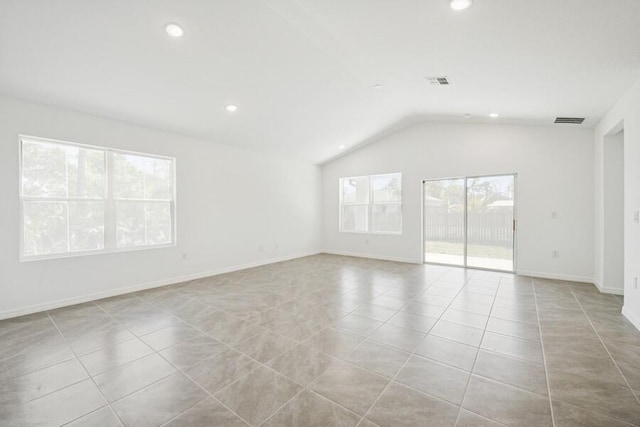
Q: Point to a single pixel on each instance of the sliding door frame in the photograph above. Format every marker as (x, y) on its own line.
(466, 213)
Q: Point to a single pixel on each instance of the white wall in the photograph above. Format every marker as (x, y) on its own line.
(555, 173)
(613, 181)
(626, 114)
(230, 201)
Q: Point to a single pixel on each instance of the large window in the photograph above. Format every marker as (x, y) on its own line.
(371, 204)
(83, 199)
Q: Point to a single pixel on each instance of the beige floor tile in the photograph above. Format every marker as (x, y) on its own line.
(350, 386)
(437, 379)
(258, 395)
(400, 406)
(160, 402)
(216, 372)
(207, 413)
(506, 404)
(309, 409)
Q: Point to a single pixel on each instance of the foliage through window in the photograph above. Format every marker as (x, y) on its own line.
(86, 199)
(371, 204)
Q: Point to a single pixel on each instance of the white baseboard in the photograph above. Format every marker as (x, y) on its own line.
(632, 317)
(556, 276)
(370, 256)
(608, 289)
(143, 286)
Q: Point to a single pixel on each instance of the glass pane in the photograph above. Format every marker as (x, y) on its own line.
(355, 218)
(159, 223)
(86, 226)
(141, 177)
(43, 169)
(128, 176)
(130, 219)
(45, 228)
(387, 188)
(444, 221)
(159, 179)
(386, 218)
(85, 170)
(355, 190)
(490, 222)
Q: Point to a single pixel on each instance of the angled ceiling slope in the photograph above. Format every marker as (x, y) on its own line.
(304, 73)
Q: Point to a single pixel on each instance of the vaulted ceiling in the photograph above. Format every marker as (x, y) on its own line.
(302, 72)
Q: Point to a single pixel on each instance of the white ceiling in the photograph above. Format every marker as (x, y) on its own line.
(302, 71)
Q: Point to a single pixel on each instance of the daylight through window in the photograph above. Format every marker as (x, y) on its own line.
(85, 199)
(371, 204)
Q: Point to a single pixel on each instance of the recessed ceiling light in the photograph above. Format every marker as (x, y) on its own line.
(377, 86)
(493, 115)
(174, 30)
(460, 4)
(231, 108)
(341, 147)
(467, 116)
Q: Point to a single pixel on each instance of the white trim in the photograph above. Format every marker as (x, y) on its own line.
(608, 289)
(555, 276)
(373, 256)
(631, 317)
(109, 201)
(369, 204)
(144, 286)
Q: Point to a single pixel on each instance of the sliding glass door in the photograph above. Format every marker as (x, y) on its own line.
(470, 222)
(444, 233)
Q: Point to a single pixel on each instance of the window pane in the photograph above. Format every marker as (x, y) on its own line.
(85, 169)
(387, 188)
(355, 190)
(130, 229)
(158, 179)
(354, 218)
(43, 169)
(386, 218)
(142, 177)
(45, 228)
(128, 176)
(86, 226)
(158, 217)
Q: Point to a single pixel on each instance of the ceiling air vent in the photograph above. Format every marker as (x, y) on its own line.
(438, 81)
(570, 120)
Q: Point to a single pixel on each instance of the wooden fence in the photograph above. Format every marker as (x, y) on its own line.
(488, 228)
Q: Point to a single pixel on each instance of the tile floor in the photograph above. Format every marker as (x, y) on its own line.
(328, 341)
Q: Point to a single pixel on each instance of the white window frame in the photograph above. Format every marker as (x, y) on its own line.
(110, 221)
(370, 203)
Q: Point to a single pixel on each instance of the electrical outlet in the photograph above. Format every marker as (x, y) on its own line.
(366, 241)
(185, 255)
(635, 283)
(260, 248)
(555, 254)
(277, 246)
(554, 215)
(636, 217)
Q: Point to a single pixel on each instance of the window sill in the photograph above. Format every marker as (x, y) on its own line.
(97, 252)
(384, 233)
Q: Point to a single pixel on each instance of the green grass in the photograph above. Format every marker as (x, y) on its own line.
(496, 252)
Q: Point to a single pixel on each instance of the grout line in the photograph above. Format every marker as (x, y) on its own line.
(175, 367)
(544, 357)
(475, 359)
(407, 361)
(88, 374)
(604, 345)
(152, 303)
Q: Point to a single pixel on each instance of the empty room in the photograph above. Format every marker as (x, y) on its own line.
(319, 213)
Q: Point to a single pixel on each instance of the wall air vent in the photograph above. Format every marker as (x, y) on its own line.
(570, 120)
(438, 81)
